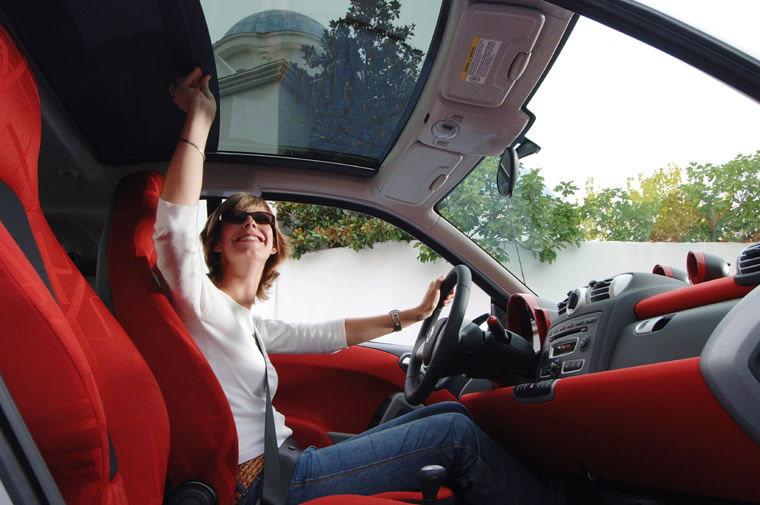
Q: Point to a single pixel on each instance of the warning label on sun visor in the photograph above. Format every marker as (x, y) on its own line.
(479, 60)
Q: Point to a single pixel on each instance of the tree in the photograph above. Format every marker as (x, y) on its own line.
(655, 209)
(535, 217)
(314, 227)
(726, 198)
(355, 86)
(676, 217)
(545, 221)
(476, 208)
(715, 203)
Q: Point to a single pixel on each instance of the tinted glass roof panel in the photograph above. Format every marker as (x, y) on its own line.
(332, 81)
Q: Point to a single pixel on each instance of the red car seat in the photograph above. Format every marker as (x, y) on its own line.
(87, 396)
(204, 440)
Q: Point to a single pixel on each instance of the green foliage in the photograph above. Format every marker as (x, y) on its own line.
(713, 203)
(476, 208)
(617, 214)
(536, 218)
(726, 199)
(356, 82)
(313, 227)
(545, 222)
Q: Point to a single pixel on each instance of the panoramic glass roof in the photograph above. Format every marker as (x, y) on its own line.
(333, 80)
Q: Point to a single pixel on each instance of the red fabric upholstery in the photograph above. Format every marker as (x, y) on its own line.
(655, 425)
(687, 297)
(21, 123)
(135, 414)
(204, 439)
(337, 392)
(52, 384)
(445, 496)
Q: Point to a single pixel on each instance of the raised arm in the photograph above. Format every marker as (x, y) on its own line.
(185, 175)
(362, 329)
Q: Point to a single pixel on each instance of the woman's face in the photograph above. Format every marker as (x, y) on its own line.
(246, 241)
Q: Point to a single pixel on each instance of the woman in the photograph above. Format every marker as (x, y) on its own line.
(243, 246)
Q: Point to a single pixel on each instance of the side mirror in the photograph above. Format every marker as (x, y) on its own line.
(509, 169)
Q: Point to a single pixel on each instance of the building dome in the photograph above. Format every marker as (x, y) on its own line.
(276, 21)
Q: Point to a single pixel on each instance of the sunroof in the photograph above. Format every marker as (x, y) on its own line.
(329, 80)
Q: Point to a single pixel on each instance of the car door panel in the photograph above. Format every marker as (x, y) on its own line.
(321, 393)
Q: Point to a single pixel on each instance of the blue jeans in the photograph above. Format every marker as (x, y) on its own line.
(389, 457)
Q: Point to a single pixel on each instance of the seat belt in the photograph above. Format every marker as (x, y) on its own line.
(277, 470)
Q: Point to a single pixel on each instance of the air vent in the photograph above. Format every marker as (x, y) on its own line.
(600, 290)
(562, 306)
(749, 260)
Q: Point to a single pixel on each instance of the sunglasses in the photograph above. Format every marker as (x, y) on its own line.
(239, 216)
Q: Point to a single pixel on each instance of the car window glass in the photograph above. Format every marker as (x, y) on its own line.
(330, 80)
(642, 159)
(733, 21)
(347, 264)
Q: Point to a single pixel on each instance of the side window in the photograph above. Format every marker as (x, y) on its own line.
(347, 264)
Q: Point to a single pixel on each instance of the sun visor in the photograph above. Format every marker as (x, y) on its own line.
(421, 172)
(492, 49)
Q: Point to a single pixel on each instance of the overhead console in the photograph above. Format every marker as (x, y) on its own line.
(492, 70)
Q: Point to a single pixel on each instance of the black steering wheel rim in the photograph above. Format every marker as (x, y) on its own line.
(436, 343)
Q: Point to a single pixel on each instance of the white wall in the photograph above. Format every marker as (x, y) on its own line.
(338, 283)
(575, 266)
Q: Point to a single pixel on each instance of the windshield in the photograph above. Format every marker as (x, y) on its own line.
(733, 21)
(330, 80)
(642, 159)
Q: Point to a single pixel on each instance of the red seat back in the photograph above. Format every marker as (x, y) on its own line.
(100, 370)
(204, 439)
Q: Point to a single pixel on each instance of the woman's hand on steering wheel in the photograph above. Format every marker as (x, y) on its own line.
(431, 298)
(436, 341)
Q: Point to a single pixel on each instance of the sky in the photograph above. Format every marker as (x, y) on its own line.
(611, 107)
(644, 112)
(221, 19)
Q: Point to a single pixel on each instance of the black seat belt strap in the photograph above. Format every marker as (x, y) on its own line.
(276, 482)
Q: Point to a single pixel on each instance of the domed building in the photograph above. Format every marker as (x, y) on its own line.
(252, 62)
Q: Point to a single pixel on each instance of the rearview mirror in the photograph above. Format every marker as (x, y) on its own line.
(509, 169)
(526, 148)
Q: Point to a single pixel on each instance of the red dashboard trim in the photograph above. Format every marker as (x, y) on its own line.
(654, 425)
(540, 315)
(697, 295)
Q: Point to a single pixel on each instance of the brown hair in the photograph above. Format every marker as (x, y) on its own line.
(212, 234)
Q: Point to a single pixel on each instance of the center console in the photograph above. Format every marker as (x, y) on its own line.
(569, 346)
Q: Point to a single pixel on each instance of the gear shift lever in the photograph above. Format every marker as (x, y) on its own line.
(431, 478)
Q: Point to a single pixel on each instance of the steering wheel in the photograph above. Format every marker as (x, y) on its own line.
(437, 340)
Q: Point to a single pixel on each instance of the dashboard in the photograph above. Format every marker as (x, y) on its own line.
(627, 320)
(632, 373)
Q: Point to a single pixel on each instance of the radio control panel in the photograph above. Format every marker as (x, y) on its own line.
(568, 345)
